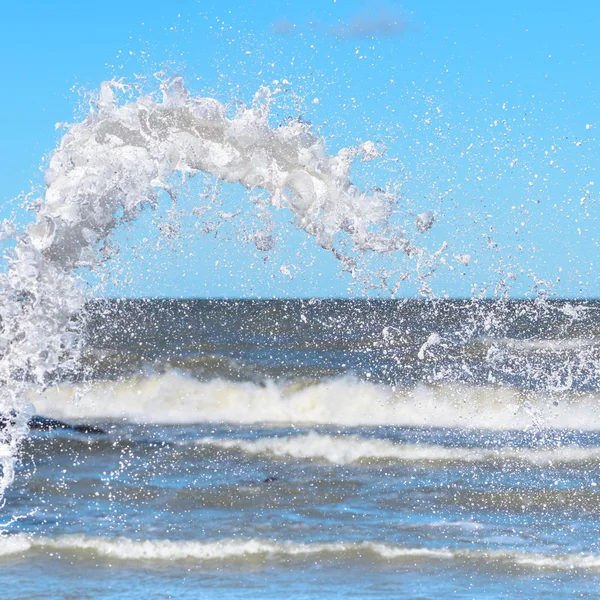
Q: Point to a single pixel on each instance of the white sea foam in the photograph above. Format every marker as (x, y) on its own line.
(558, 562)
(175, 398)
(127, 549)
(230, 549)
(347, 449)
(14, 544)
(119, 159)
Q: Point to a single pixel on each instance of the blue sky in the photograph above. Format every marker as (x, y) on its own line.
(490, 112)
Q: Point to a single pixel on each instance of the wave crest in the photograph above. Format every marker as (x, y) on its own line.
(348, 449)
(173, 398)
(127, 549)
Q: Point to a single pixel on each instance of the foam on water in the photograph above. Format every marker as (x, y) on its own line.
(138, 550)
(174, 398)
(14, 544)
(348, 449)
(127, 549)
(120, 159)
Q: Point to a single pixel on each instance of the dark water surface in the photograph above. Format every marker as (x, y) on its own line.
(514, 342)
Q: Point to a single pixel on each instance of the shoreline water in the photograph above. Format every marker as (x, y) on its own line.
(246, 510)
(330, 447)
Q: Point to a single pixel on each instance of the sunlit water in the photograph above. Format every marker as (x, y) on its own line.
(280, 448)
(307, 449)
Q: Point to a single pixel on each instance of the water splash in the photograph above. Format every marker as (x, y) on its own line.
(122, 157)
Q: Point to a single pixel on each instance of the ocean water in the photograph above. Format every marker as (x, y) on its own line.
(279, 449)
(308, 449)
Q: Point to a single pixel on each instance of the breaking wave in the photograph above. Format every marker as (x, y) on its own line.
(127, 549)
(348, 449)
(174, 398)
(124, 156)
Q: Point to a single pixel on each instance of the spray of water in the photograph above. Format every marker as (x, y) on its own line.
(124, 156)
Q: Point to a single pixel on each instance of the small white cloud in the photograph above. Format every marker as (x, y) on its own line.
(385, 23)
(283, 27)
